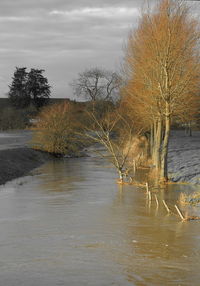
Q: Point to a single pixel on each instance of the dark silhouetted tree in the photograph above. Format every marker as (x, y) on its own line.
(27, 88)
(18, 95)
(38, 88)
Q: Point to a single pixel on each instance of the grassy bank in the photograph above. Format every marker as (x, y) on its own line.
(19, 162)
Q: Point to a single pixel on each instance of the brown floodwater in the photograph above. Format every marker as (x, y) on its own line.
(71, 224)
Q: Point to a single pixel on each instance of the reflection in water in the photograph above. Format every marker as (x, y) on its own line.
(162, 250)
(63, 175)
(70, 224)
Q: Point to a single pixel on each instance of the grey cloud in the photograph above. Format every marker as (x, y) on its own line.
(20, 7)
(64, 44)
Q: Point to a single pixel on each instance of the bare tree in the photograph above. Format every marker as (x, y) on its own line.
(115, 133)
(97, 84)
(163, 67)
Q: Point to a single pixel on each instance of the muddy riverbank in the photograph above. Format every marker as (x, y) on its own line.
(18, 159)
(19, 162)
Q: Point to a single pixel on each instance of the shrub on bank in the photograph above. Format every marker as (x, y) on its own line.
(54, 130)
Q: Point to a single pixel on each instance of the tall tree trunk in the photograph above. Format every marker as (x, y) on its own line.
(157, 143)
(164, 153)
(121, 176)
(151, 141)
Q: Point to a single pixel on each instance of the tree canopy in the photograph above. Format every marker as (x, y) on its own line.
(29, 87)
(162, 67)
(18, 95)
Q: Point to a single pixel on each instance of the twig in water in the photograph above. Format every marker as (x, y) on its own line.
(179, 212)
(134, 166)
(156, 200)
(149, 194)
(147, 187)
(168, 210)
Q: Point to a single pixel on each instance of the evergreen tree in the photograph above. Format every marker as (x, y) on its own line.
(38, 87)
(17, 94)
(27, 88)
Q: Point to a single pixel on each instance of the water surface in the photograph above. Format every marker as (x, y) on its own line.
(71, 224)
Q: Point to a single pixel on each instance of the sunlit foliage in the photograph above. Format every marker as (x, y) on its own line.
(162, 66)
(54, 131)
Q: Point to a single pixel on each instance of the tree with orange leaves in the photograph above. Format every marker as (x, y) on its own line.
(162, 66)
(55, 129)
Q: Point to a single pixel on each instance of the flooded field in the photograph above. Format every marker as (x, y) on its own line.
(15, 139)
(71, 224)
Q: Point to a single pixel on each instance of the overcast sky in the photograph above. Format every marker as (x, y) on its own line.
(64, 37)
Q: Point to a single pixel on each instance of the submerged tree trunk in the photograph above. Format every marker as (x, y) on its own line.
(151, 141)
(164, 153)
(121, 176)
(157, 143)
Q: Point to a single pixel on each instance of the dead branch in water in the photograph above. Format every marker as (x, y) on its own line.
(179, 212)
(149, 195)
(156, 200)
(168, 210)
(147, 187)
(186, 218)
